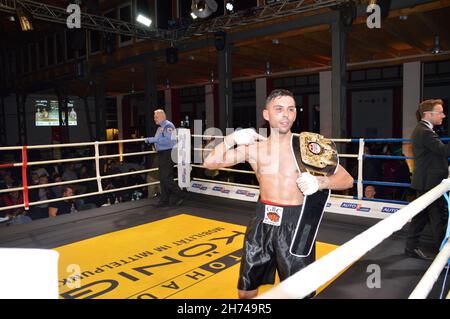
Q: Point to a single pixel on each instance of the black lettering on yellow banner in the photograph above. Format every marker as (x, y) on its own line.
(91, 290)
(178, 257)
(192, 277)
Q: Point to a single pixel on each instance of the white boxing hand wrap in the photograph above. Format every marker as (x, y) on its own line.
(308, 184)
(243, 137)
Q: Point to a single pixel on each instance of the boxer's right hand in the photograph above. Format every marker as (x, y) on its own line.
(243, 137)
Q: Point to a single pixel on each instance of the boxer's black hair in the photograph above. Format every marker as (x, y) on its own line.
(278, 93)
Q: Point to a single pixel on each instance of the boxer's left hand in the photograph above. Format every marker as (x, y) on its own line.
(308, 184)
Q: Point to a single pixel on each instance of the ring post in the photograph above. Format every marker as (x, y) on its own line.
(25, 178)
(97, 167)
(360, 168)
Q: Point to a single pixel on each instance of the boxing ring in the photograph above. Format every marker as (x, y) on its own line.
(393, 214)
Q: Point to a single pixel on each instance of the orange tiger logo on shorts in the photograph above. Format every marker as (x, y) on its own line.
(273, 217)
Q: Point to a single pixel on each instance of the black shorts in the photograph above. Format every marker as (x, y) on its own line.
(266, 248)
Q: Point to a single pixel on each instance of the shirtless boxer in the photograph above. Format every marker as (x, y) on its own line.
(282, 190)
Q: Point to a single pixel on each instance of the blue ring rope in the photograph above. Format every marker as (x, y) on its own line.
(382, 200)
(447, 235)
(383, 183)
(388, 156)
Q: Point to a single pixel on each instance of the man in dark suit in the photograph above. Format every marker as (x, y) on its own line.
(430, 168)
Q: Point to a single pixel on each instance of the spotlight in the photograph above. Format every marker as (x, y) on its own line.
(437, 45)
(201, 5)
(193, 15)
(25, 22)
(144, 20)
(268, 68)
(203, 8)
(229, 6)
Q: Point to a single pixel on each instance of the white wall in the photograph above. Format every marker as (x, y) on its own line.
(440, 92)
(372, 113)
(43, 135)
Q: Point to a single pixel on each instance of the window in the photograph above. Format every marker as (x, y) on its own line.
(94, 41)
(125, 15)
(164, 13)
(184, 9)
(80, 42)
(70, 52)
(373, 74)
(244, 96)
(26, 59)
(245, 4)
(18, 62)
(60, 46)
(33, 57)
(111, 38)
(41, 51)
(50, 50)
(12, 62)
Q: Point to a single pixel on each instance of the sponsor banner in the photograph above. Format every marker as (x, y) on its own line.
(337, 205)
(180, 257)
(151, 262)
(227, 191)
(184, 157)
(361, 208)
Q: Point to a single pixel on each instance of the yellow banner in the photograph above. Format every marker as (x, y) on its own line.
(178, 257)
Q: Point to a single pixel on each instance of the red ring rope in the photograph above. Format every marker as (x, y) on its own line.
(24, 177)
(7, 165)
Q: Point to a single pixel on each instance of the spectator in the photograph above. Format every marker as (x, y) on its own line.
(37, 195)
(57, 190)
(34, 179)
(8, 181)
(11, 199)
(136, 179)
(69, 173)
(370, 192)
(41, 171)
(390, 168)
(62, 207)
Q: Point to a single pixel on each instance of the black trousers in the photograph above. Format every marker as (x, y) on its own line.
(436, 215)
(166, 176)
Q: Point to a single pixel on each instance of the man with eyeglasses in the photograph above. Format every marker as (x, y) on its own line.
(430, 168)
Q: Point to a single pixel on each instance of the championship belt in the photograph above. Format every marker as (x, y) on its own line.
(318, 156)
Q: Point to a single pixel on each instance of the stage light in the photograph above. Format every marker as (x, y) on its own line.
(25, 22)
(203, 8)
(229, 6)
(437, 45)
(144, 20)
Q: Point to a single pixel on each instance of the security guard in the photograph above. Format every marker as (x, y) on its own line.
(164, 143)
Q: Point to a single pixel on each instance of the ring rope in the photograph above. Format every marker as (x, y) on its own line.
(224, 183)
(26, 200)
(318, 273)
